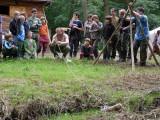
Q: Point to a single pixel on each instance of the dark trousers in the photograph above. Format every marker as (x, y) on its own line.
(20, 44)
(94, 43)
(74, 44)
(62, 49)
(122, 45)
(143, 50)
(35, 36)
(12, 53)
(114, 46)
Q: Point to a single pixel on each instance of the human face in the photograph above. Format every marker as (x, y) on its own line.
(86, 43)
(59, 32)
(16, 16)
(75, 16)
(90, 19)
(43, 21)
(9, 39)
(22, 20)
(29, 35)
(121, 15)
(139, 12)
(107, 21)
(34, 14)
(113, 13)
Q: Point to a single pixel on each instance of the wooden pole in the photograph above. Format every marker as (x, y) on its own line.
(131, 40)
(111, 37)
(145, 38)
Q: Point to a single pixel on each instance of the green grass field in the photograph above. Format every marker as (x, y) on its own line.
(56, 82)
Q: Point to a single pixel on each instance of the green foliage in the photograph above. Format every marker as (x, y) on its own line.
(60, 12)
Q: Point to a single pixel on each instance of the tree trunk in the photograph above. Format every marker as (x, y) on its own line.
(106, 8)
(84, 8)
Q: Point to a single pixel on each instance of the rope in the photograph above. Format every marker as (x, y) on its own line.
(76, 77)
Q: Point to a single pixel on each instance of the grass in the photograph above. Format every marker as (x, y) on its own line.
(46, 79)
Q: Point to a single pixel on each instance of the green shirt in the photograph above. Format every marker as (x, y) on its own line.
(30, 46)
(34, 23)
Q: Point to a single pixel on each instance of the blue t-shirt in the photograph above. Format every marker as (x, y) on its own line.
(21, 36)
(144, 23)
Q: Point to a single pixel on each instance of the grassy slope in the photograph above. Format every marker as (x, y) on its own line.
(22, 81)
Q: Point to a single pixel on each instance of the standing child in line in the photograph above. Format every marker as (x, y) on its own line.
(86, 50)
(108, 30)
(30, 47)
(44, 36)
(95, 32)
(9, 48)
(155, 45)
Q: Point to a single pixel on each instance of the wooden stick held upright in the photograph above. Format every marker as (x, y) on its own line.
(131, 40)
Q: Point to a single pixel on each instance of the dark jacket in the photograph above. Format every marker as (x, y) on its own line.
(12, 27)
(108, 30)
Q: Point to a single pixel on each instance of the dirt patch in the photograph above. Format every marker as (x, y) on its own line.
(141, 81)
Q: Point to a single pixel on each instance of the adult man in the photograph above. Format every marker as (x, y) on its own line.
(115, 22)
(60, 43)
(13, 25)
(35, 23)
(139, 39)
(75, 34)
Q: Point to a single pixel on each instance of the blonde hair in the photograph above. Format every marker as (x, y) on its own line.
(16, 13)
(122, 11)
(59, 29)
(95, 17)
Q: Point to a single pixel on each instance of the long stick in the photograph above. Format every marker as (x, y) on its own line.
(145, 38)
(131, 40)
(111, 37)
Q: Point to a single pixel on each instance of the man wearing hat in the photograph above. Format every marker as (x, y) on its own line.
(35, 23)
(86, 50)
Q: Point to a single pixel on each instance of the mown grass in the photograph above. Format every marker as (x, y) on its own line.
(54, 80)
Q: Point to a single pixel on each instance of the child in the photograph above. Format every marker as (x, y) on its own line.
(95, 32)
(87, 26)
(155, 45)
(9, 48)
(108, 30)
(86, 50)
(44, 36)
(30, 47)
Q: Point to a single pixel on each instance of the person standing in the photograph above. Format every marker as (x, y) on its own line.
(115, 22)
(95, 33)
(140, 41)
(87, 26)
(13, 25)
(108, 30)
(44, 36)
(123, 42)
(75, 34)
(35, 23)
(20, 37)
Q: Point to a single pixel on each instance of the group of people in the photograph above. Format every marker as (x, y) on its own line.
(29, 37)
(26, 37)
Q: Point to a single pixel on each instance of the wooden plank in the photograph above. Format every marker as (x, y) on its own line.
(16, 8)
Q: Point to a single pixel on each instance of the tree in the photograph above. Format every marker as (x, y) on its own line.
(106, 8)
(84, 8)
